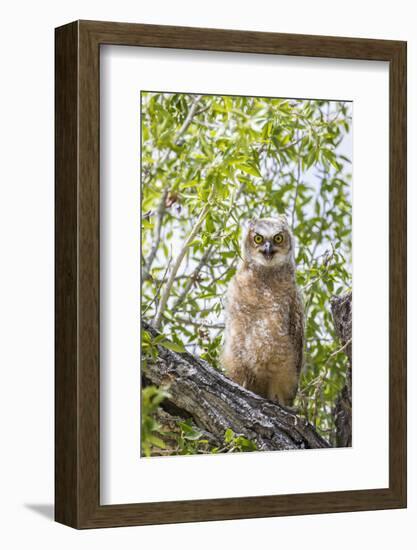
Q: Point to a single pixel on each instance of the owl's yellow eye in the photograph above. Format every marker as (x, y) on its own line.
(258, 239)
(278, 238)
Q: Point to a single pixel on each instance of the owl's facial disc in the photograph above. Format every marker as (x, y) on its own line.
(272, 249)
(268, 242)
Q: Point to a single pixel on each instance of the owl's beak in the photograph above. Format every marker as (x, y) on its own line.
(267, 250)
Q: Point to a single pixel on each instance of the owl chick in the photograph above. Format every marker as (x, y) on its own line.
(264, 337)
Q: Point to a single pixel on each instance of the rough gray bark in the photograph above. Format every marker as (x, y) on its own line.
(342, 315)
(216, 403)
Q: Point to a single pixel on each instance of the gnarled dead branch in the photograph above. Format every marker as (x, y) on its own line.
(342, 315)
(216, 403)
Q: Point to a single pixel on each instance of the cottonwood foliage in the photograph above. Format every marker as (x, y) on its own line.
(207, 164)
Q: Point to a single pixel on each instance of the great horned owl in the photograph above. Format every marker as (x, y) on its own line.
(264, 341)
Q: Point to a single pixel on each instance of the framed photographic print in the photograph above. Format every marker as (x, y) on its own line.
(230, 274)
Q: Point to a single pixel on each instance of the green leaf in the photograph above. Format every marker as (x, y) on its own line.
(156, 441)
(173, 346)
(249, 169)
(228, 435)
(190, 433)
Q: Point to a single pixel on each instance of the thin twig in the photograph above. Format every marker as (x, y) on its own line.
(296, 142)
(161, 206)
(156, 234)
(226, 271)
(296, 189)
(158, 290)
(204, 324)
(188, 120)
(204, 259)
(193, 277)
(177, 264)
(339, 350)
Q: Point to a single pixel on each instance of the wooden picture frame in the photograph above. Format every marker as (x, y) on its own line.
(77, 374)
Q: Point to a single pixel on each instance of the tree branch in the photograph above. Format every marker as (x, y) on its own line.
(342, 315)
(216, 403)
(156, 235)
(294, 206)
(204, 324)
(188, 120)
(205, 258)
(193, 276)
(161, 205)
(177, 264)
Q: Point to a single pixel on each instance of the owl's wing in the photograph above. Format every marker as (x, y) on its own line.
(297, 329)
